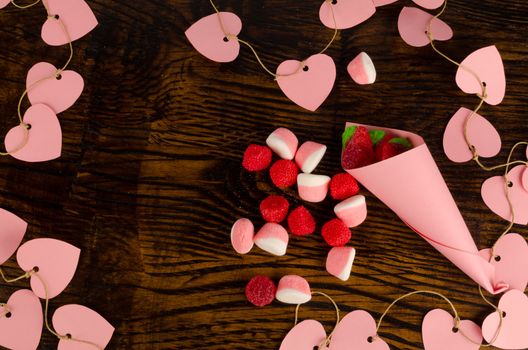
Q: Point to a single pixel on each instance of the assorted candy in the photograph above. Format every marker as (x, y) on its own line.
(295, 167)
(283, 173)
(272, 238)
(362, 147)
(274, 208)
(260, 291)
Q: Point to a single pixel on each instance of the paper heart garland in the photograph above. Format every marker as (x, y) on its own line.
(357, 331)
(76, 16)
(511, 264)
(487, 64)
(12, 231)
(56, 261)
(379, 3)
(305, 336)
(347, 13)
(208, 38)
(512, 334)
(81, 323)
(23, 329)
(429, 4)
(481, 133)
(438, 332)
(58, 94)
(4, 3)
(494, 195)
(413, 25)
(310, 86)
(524, 179)
(44, 141)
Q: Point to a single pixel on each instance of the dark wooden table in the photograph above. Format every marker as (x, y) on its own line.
(150, 180)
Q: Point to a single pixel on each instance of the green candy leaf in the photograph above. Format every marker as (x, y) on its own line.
(376, 136)
(402, 141)
(347, 134)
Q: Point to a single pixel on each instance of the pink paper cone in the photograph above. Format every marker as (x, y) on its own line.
(412, 186)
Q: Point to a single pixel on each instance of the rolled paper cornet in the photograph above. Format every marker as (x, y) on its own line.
(411, 185)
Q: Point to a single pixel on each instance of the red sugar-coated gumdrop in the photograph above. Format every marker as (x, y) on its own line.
(283, 173)
(336, 233)
(257, 158)
(301, 222)
(343, 186)
(274, 208)
(260, 291)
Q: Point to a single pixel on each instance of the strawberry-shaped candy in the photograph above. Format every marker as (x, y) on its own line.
(391, 146)
(358, 150)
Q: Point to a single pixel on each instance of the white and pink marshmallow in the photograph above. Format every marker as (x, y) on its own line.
(283, 142)
(272, 238)
(362, 70)
(242, 235)
(339, 262)
(309, 156)
(294, 290)
(313, 188)
(352, 211)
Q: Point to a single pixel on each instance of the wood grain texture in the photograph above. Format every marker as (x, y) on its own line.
(150, 178)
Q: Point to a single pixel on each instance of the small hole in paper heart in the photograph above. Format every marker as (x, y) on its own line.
(226, 39)
(28, 126)
(58, 77)
(36, 269)
(316, 348)
(8, 315)
(334, 2)
(483, 83)
(498, 258)
(503, 314)
(57, 17)
(370, 339)
(510, 184)
(455, 330)
(68, 336)
(306, 68)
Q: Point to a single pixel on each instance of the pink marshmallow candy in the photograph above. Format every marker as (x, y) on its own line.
(293, 290)
(242, 234)
(283, 142)
(362, 69)
(339, 262)
(272, 238)
(309, 155)
(313, 188)
(352, 211)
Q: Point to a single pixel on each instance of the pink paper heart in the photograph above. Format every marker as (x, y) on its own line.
(357, 331)
(58, 94)
(487, 64)
(12, 231)
(4, 3)
(512, 334)
(525, 179)
(81, 323)
(439, 333)
(209, 39)
(510, 261)
(379, 3)
(494, 195)
(481, 133)
(76, 16)
(305, 336)
(347, 13)
(413, 25)
(56, 262)
(429, 4)
(44, 141)
(310, 86)
(22, 330)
